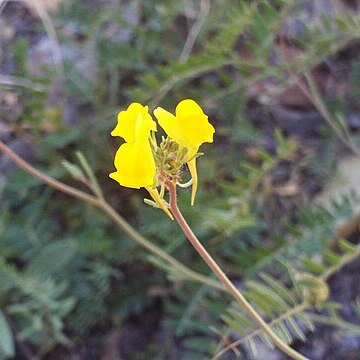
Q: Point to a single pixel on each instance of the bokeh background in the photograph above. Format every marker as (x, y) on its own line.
(279, 80)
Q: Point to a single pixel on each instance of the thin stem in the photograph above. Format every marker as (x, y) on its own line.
(190, 41)
(51, 32)
(90, 174)
(347, 259)
(58, 185)
(118, 219)
(9, 80)
(317, 100)
(313, 94)
(126, 227)
(230, 287)
(347, 326)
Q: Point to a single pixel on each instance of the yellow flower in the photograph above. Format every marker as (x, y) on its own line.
(134, 161)
(135, 166)
(134, 124)
(190, 128)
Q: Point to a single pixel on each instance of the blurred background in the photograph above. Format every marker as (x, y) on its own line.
(279, 80)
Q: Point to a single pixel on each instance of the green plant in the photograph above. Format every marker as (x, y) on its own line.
(227, 48)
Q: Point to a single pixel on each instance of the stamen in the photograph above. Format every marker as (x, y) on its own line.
(185, 185)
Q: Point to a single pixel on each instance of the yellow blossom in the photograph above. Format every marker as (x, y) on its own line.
(190, 128)
(134, 124)
(134, 161)
(135, 165)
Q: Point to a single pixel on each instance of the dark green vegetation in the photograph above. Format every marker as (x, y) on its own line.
(71, 282)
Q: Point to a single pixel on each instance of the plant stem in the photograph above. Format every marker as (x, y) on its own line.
(101, 204)
(141, 240)
(346, 259)
(315, 97)
(58, 185)
(230, 287)
(336, 322)
(297, 309)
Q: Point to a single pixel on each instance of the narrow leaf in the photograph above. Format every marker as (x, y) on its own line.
(305, 319)
(6, 337)
(242, 319)
(266, 340)
(252, 347)
(272, 298)
(279, 288)
(295, 329)
(237, 326)
(347, 247)
(331, 257)
(312, 266)
(51, 259)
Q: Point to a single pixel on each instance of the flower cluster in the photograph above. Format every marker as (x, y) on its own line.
(141, 162)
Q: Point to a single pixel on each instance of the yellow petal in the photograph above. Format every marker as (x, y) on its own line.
(159, 201)
(135, 165)
(134, 123)
(189, 128)
(190, 154)
(193, 171)
(194, 123)
(171, 126)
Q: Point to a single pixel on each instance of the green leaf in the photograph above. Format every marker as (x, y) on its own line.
(283, 332)
(279, 288)
(73, 170)
(237, 326)
(51, 259)
(305, 319)
(197, 343)
(266, 340)
(6, 337)
(313, 266)
(273, 300)
(295, 329)
(331, 257)
(241, 319)
(347, 247)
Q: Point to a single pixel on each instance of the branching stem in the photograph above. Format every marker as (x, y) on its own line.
(230, 287)
(101, 204)
(296, 310)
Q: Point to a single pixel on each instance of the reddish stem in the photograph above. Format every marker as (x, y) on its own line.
(171, 185)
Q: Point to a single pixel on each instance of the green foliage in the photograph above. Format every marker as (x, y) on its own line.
(39, 306)
(283, 307)
(290, 310)
(7, 348)
(67, 273)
